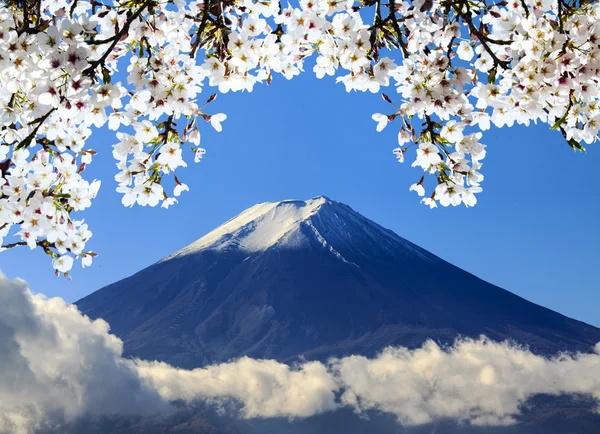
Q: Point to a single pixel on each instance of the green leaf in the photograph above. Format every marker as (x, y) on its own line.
(575, 145)
(558, 123)
(24, 143)
(105, 75)
(492, 76)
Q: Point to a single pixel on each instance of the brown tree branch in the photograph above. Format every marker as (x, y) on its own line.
(116, 38)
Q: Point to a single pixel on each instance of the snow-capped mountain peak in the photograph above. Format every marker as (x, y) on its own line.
(259, 227)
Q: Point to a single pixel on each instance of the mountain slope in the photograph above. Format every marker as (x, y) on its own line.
(315, 279)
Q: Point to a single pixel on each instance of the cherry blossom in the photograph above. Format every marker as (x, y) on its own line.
(68, 67)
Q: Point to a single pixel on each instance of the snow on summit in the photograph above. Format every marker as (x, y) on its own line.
(295, 223)
(259, 227)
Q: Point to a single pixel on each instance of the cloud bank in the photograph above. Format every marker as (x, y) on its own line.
(480, 381)
(57, 366)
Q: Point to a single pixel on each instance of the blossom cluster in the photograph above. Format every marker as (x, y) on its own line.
(56, 85)
(138, 68)
(533, 64)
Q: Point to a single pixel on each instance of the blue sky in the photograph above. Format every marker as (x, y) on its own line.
(534, 231)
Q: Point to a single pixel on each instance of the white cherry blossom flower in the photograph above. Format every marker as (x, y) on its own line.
(465, 51)
(382, 121)
(216, 119)
(514, 64)
(63, 263)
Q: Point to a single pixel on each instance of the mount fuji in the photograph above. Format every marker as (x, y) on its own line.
(313, 279)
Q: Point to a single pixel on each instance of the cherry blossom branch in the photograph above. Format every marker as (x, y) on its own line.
(200, 30)
(399, 36)
(480, 36)
(53, 49)
(39, 121)
(43, 244)
(90, 71)
(375, 29)
(525, 8)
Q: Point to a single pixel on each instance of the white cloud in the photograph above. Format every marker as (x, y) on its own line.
(479, 381)
(265, 388)
(58, 365)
